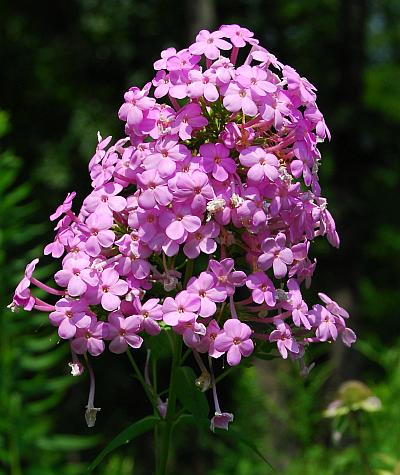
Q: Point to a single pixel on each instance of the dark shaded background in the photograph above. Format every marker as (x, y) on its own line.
(65, 67)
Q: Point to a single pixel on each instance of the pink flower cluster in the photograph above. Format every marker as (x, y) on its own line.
(201, 218)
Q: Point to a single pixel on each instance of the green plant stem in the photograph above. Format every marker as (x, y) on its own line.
(167, 424)
(140, 377)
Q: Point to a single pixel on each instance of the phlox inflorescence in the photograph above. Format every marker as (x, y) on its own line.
(200, 219)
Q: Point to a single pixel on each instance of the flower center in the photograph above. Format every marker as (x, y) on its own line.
(237, 341)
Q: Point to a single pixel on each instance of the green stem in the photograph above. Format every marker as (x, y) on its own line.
(188, 271)
(167, 425)
(140, 377)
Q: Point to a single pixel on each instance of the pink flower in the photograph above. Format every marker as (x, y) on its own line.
(209, 44)
(195, 188)
(238, 35)
(136, 101)
(191, 331)
(332, 306)
(69, 316)
(216, 160)
(155, 190)
(207, 343)
(255, 79)
(203, 240)
(204, 287)
(221, 420)
(188, 119)
(262, 289)
(149, 313)
(202, 84)
(104, 199)
(227, 278)
(326, 323)
(297, 305)
(182, 308)
(235, 340)
(90, 339)
(64, 207)
(239, 98)
(100, 234)
(178, 223)
(163, 156)
(123, 333)
(276, 255)
(111, 287)
(76, 275)
(262, 165)
(284, 339)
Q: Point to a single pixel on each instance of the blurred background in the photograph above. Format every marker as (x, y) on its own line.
(65, 67)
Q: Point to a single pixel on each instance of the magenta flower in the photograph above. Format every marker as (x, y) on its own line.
(164, 155)
(262, 165)
(195, 189)
(203, 240)
(235, 340)
(204, 287)
(202, 84)
(209, 44)
(262, 289)
(90, 339)
(191, 331)
(325, 322)
(149, 313)
(155, 190)
(255, 79)
(123, 333)
(221, 420)
(64, 207)
(207, 343)
(111, 287)
(104, 199)
(69, 316)
(183, 307)
(178, 223)
(238, 35)
(284, 339)
(332, 306)
(76, 275)
(275, 254)
(216, 160)
(100, 234)
(188, 119)
(239, 98)
(136, 101)
(227, 278)
(297, 305)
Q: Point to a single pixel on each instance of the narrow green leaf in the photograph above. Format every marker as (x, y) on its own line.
(238, 437)
(134, 430)
(67, 442)
(190, 397)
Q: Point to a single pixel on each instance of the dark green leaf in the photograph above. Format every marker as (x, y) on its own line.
(238, 437)
(134, 430)
(190, 397)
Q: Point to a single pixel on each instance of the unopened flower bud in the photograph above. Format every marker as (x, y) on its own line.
(203, 382)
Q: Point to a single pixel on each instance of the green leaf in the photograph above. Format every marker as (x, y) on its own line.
(236, 436)
(67, 442)
(192, 399)
(134, 430)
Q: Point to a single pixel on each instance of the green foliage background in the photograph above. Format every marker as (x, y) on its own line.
(65, 67)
